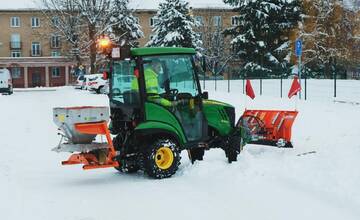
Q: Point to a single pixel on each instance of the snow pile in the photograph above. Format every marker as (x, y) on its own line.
(265, 183)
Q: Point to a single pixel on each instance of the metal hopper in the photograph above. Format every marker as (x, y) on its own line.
(79, 127)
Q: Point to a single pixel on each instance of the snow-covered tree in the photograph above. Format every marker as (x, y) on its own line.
(261, 38)
(216, 48)
(97, 17)
(64, 17)
(82, 22)
(174, 26)
(126, 28)
(328, 34)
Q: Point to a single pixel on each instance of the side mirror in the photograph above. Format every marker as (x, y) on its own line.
(136, 72)
(203, 64)
(105, 75)
(205, 95)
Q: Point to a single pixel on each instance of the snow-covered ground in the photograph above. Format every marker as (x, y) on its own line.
(265, 183)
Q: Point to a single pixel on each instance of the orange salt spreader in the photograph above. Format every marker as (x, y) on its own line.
(79, 127)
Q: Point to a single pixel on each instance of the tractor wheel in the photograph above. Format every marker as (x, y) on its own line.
(233, 148)
(161, 158)
(196, 154)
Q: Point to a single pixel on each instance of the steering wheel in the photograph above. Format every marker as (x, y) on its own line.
(173, 92)
(116, 92)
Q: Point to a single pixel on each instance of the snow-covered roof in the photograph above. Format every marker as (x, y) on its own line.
(135, 4)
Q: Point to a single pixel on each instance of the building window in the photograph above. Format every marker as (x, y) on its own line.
(55, 41)
(217, 20)
(153, 21)
(15, 72)
(199, 20)
(55, 21)
(55, 72)
(35, 22)
(55, 53)
(235, 20)
(15, 21)
(15, 42)
(35, 49)
(15, 53)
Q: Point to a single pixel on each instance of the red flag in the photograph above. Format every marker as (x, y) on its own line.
(249, 90)
(295, 87)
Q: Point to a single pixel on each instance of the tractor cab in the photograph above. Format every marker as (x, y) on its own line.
(158, 85)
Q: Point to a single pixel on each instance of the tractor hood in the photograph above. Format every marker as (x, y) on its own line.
(220, 116)
(214, 102)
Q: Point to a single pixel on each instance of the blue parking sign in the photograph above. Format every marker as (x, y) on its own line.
(298, 47)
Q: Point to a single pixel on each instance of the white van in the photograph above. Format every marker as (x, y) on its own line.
(5, 82)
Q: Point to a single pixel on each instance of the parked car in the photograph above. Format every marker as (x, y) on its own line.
(106, 89)
(85, 84)
(5, 82)
(97, 83)
(79, 82)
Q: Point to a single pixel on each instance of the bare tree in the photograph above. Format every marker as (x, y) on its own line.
(65, 18)
(81, 22)
(97, 18)
(217, 54)
(327, 31)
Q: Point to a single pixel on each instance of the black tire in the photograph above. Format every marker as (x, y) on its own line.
(153, 158)
(196, 154)
(233, 148)
(98, 91)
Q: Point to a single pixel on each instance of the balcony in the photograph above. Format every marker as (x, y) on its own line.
(15, 45)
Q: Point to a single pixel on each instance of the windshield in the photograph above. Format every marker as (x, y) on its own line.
(123, 75)
(173, 72)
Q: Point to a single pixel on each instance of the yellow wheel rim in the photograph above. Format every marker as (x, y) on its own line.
(164, 158)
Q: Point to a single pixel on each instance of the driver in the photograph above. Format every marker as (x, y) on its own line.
(152, 83)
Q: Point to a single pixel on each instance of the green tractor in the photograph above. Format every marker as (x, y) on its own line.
(157, 110)
(153, 125)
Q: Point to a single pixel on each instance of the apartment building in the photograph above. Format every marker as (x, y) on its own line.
(31, 50)
(37, 56)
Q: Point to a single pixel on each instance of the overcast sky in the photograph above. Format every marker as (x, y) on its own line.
(14, 4)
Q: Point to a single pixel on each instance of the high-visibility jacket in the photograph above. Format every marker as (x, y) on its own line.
(152, 87)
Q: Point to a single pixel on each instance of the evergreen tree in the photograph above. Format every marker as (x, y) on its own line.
(126, 28)
(174, 26)
(261, 38)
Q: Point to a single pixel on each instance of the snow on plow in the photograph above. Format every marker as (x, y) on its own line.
(79, 127)
(268, 127)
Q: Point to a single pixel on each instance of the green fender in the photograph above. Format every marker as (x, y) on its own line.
(154, 127)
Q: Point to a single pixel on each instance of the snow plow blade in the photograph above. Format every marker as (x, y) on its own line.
(268, 127)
